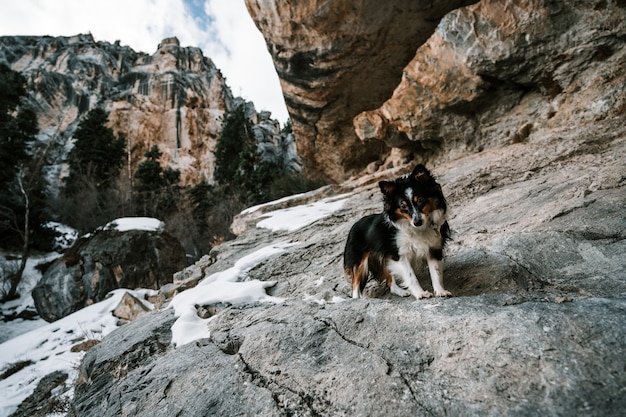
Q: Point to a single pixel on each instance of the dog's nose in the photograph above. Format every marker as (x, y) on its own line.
(417, 222)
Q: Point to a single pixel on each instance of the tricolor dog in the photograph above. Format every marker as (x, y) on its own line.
(389, 245)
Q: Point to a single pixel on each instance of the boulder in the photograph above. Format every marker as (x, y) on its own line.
(129, 308)
(103, 261)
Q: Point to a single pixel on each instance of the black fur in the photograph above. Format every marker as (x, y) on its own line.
(373, 241)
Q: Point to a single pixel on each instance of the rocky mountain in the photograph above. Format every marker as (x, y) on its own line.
(361, 87)
(518, 108)
(175, 98)
(536, 324)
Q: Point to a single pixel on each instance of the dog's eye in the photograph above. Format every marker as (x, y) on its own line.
(421, 201)
(404, 206)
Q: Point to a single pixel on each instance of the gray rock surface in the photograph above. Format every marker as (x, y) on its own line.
(537, 324)
(464, 356)
(104, 261)
(46, 399)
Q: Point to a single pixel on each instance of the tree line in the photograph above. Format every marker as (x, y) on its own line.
(98, 189)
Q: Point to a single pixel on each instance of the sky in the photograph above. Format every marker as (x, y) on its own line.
(223, 29)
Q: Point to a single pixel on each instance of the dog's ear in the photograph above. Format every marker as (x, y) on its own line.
(387, 187)
(420, 173)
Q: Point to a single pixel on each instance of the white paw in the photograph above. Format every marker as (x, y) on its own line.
(397, 290)
(443, 293)
(423, 294)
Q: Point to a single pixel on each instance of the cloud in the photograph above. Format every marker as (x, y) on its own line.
(245, 58)
(222, 29)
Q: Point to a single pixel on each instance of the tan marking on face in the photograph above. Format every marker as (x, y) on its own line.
(403, 215)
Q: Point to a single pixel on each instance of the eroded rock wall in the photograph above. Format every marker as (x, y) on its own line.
(493, 73)
(175, 98)
(337, 59)
(498, 72)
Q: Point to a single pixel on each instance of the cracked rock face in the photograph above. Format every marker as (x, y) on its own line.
(536, 325)
(496, 72)
(175, 98)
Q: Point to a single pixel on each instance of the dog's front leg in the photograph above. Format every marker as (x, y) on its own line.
(402, 269)
(435, 267)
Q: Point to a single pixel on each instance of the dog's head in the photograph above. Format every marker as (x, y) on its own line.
(416, 198)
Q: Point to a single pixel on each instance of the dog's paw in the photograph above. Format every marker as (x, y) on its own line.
(423, 294)
(399, 291)
(444, 293)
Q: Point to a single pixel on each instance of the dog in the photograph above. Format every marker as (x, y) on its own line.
(412, 226)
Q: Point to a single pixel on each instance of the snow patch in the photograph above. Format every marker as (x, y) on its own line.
(228, 286)
(125, 224)
(65, 235)
(312, 299)
(282, 200)
(49, 348)
(294, 218)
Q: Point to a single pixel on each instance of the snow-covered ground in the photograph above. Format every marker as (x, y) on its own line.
(47, 346)
(294, 218)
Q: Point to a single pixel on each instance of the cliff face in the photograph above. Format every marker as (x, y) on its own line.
(491, 74)
(175, 98)
(497, 73)
(337, 59)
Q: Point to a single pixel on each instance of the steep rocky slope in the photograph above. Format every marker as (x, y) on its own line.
(492, 74)
(175, 98)
(537, 324)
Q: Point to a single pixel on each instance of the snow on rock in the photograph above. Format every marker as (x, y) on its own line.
(65, 235)
(49, 348)
(125, 224)
(228, 286)
(294, 218)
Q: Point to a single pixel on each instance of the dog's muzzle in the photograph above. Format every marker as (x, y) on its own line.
(417, 220)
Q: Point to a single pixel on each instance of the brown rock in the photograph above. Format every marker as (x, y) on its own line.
(129, 308)
(336, 60)
(497, 73)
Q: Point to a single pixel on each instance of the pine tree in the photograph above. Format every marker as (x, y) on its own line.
(22, 202)
(157, 191)
(97, 153)
(238, 162)
(16, 131)
(151, 175)
(234, 147)
(90, 197)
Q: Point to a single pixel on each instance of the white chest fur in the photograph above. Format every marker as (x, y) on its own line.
(415, 242)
